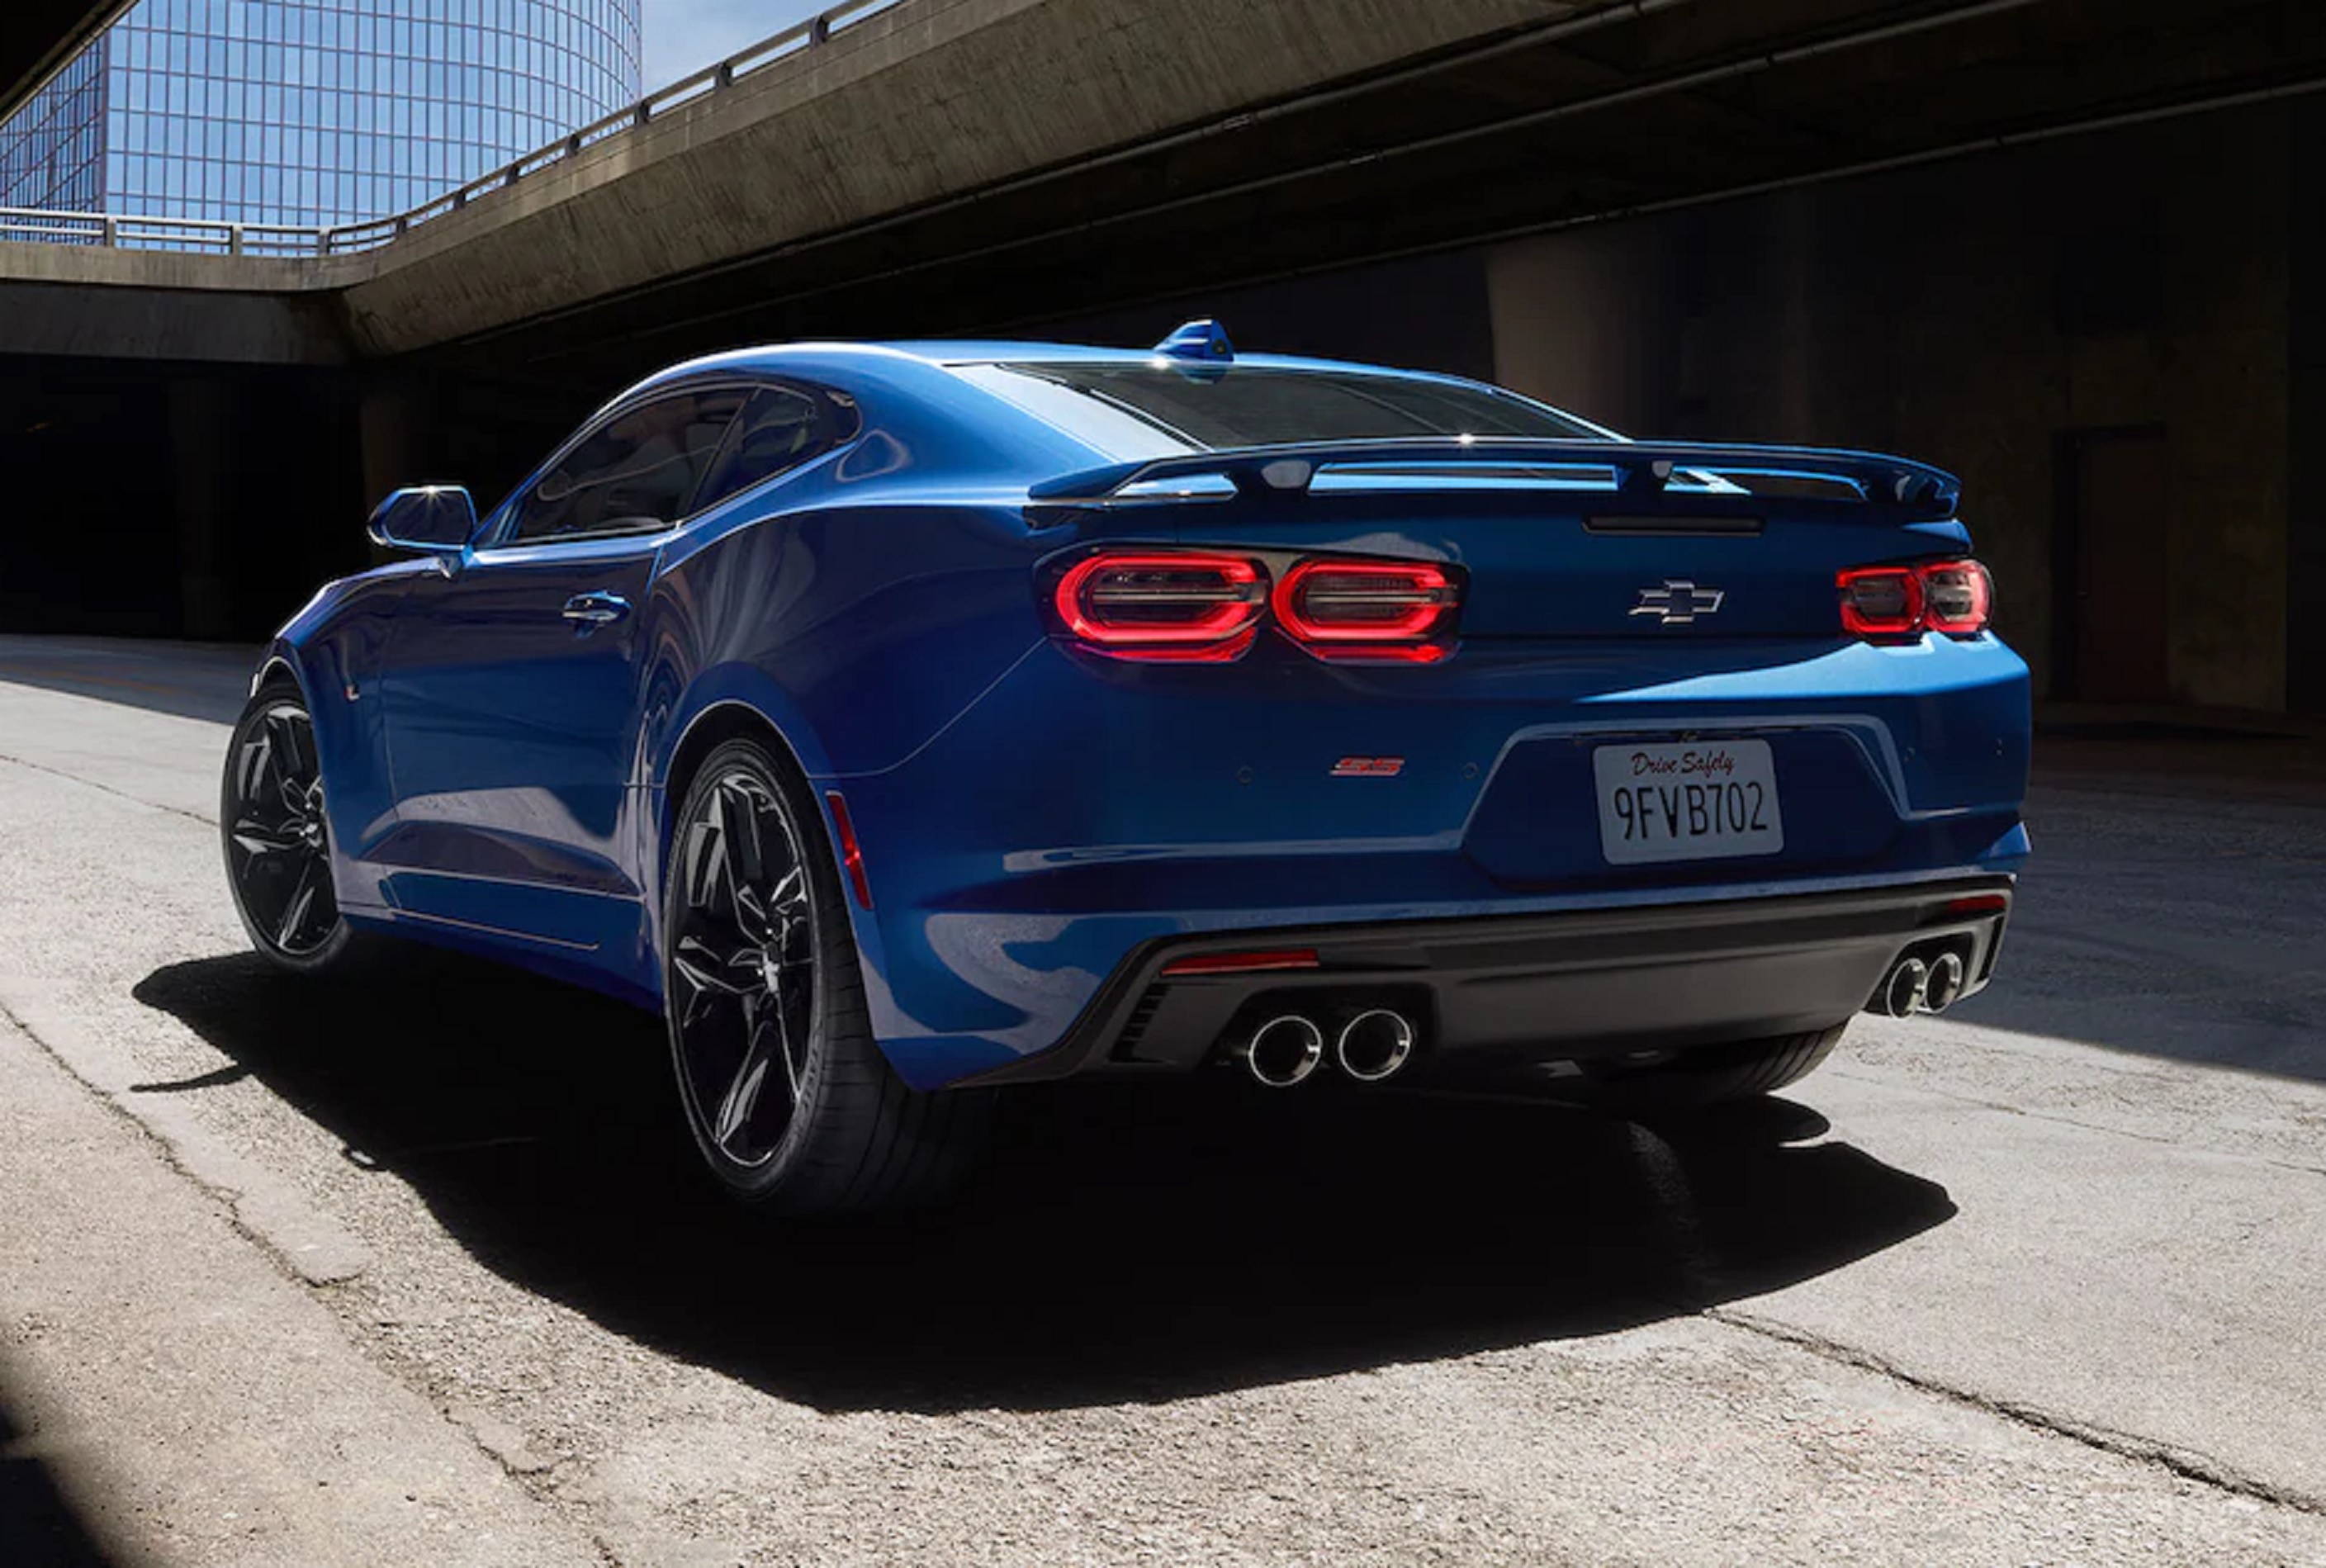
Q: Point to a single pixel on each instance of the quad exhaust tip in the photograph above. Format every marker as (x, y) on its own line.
(1288, 1049)
(1944, 983)
(1285, 1050)
(1901, 993)
(1916, 985)
(1375, 1045)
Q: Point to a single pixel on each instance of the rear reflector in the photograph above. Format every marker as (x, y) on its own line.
(851, 854)
(1240, 963)
(1978, 904)
(1953, 597)
(1179, 605)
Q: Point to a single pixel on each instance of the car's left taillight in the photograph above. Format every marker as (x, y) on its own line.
(1179, 606)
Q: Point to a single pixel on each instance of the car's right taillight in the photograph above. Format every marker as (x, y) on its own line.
(1889, 602)
(1173, 606)
(1957, 597)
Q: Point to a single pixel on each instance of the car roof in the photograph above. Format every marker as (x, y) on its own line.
(938, 351)
(799, 358)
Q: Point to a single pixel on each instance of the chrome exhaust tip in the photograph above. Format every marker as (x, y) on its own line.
(1375, 1045)
(1284, 1051)
(1943, 987)
(1901, 993)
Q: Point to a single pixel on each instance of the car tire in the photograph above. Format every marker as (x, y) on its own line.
(1711, 1076)
(849, 1135)
(277, 839)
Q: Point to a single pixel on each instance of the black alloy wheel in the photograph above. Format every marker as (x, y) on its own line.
(742, 968)
(277, 840)
(790, 1101)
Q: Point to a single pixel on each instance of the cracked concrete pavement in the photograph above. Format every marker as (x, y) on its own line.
(2035, 1283)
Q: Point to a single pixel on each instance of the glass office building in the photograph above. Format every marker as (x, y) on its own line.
(53, 150)
(313, 112)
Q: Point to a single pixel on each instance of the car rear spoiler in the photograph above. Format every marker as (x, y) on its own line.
(1636, 471)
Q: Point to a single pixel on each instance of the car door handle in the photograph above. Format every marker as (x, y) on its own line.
(596, 609)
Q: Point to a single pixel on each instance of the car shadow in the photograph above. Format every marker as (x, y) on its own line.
(1140, 1242)
(39, 1526)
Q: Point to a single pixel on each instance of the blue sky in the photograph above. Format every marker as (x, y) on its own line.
(682, 36)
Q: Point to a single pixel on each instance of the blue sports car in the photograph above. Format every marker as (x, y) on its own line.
(904, 721)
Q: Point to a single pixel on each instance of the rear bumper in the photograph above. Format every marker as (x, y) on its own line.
(1575, 986)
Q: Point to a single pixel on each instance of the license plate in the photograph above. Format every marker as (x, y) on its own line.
(1698, 800)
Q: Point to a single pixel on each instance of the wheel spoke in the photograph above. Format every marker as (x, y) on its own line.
(283, 769)
(733, 973)
(787, 899)
(294, 913)
(742, 1098)
(304, 760)
(700, 866)
(791, 1047)
(742, 857)
(711, 974)
(251, 766)
(257, 838)
(751, 915)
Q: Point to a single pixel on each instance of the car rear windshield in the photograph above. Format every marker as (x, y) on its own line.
(1207, 406)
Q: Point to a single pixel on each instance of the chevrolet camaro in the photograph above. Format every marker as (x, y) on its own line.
(907, 721)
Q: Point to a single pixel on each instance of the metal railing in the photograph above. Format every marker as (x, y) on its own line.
(211, 237)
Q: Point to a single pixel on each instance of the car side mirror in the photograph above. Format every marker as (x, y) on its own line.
(435, 519)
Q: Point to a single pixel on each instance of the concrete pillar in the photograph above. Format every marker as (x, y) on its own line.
(2305, 446)
(387, 425)
(1585, 320)
(201, 434)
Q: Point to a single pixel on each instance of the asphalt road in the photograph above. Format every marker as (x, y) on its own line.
(416, 1269)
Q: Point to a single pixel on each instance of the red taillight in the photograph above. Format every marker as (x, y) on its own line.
(1242, 963)
(1957, 596)
(1358, 609)
(1206, 606)
(1953, 597)
(1177, 605)
(1882, 601)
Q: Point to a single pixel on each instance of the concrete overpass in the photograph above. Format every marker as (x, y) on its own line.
(962, 164)
(1372, 177)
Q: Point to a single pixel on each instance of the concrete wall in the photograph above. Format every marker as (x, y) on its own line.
(1973, 313)
(1420, 313)
(154, 500)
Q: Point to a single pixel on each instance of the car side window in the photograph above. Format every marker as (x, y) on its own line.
(637, 474)
(782, 428)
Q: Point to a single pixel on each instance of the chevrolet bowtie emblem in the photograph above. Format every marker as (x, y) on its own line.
(1678, 603)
